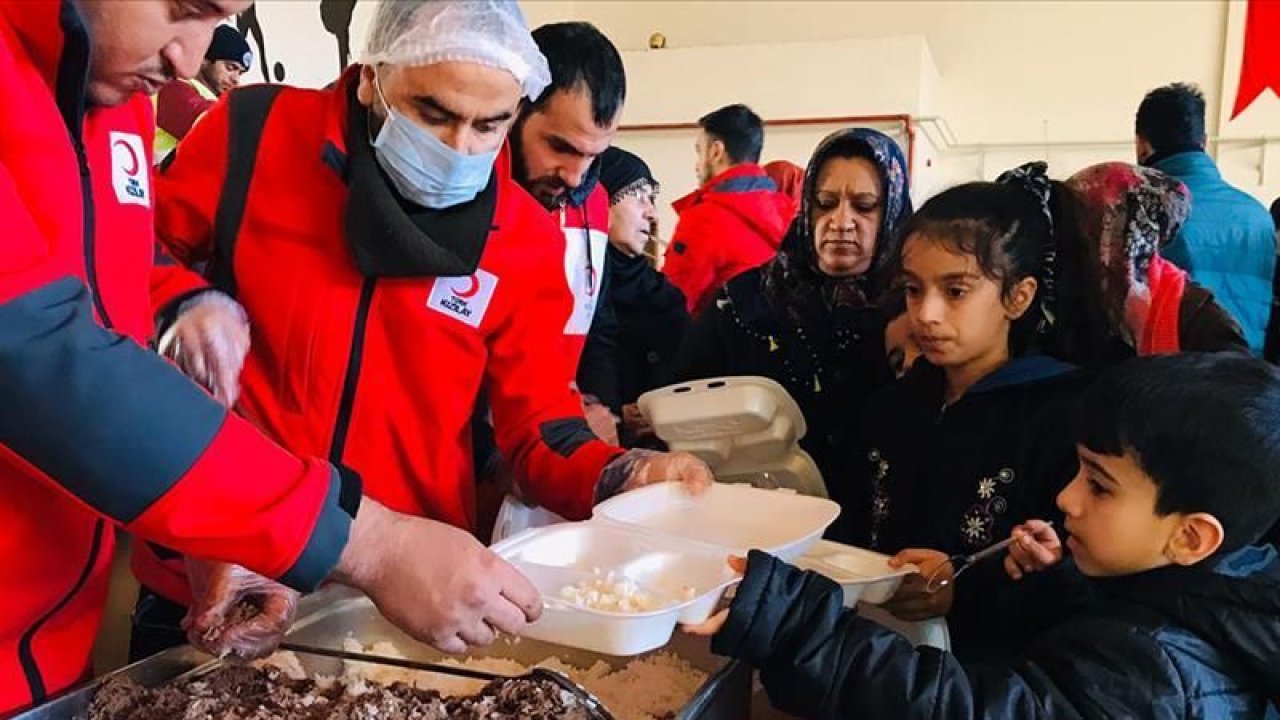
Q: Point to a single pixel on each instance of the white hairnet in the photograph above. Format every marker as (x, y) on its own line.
(487, 32)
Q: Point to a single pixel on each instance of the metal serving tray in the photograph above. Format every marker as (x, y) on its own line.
(328, 617)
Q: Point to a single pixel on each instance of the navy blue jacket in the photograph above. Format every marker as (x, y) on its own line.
(1174, 643)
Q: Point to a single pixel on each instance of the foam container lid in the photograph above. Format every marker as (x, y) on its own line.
(731, 516)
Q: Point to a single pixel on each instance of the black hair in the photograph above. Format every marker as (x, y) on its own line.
(582, 58)
(739, 128)
(1275, 212)
(1171, 118)
(1004, 227)
(1205, 427)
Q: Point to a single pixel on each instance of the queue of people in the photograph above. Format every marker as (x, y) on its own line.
(334, 328)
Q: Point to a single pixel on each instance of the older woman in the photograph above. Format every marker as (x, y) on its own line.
(1130, 212)
(808, 318)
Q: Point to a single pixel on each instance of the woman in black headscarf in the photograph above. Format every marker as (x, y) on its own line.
(809, 319)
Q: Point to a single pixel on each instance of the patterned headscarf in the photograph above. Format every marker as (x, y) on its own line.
(1130, 212)
(792, 279)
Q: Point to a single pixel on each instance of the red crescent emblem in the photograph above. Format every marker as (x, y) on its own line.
(472, 288)
(133, 157)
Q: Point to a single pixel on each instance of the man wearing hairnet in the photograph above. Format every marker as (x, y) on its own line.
(389, 266)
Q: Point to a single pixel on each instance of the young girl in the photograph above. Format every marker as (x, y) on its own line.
(974, 438)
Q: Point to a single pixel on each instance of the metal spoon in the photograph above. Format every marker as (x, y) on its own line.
(960, 563)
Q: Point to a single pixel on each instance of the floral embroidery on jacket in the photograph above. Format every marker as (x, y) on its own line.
(979, 522)
(879, 495)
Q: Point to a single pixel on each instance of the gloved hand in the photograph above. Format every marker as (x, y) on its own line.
(235, 611)
(637, 468)
(208, 342)
(601, 420)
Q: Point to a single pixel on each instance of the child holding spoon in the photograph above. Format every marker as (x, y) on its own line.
(1176, 484)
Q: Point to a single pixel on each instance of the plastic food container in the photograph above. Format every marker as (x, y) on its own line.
(868, 581)
(745, 427)
(735, 517)
(565, 554)
(865, 575)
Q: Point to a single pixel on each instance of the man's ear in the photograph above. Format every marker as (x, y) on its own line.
(1021, 297)
(1197, 536)
(365, 91)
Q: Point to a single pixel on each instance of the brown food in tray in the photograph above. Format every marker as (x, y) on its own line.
(239, 692)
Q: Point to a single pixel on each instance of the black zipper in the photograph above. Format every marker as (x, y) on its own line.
(343, 423)
(90, 259)
(26, 656)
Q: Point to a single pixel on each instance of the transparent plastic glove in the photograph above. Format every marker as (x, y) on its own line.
(236, 612)
(638, 468)
(208, 342)
(601, 420)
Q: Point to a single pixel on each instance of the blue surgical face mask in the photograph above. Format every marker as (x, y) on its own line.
(424, 169)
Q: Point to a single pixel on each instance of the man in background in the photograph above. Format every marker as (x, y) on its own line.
(736, 218)
(180, 103)
(1228, 243)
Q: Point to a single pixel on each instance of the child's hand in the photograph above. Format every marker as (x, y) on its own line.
(715, 622)
(1035, 547)
(913, 602)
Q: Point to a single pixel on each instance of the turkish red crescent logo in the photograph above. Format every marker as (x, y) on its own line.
(133, 157)
(473, 287)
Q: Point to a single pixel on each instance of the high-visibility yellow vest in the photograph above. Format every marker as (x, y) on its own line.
(165, 142)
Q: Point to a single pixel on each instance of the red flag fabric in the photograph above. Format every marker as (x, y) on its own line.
(1260, 66)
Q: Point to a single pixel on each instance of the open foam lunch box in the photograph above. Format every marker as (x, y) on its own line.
(669, 543)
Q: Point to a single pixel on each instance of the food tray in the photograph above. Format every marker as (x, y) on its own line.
(339, 614)
(864, 575)
(329, 617)
(561, 555)
(735, 517)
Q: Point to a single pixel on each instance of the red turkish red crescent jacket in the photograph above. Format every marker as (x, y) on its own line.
(375, 371)
(730, 225)
(95, 429)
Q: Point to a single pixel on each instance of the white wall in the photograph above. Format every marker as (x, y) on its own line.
(1020, 79)
(1017, 79)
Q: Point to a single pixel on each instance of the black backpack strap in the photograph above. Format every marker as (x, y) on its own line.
(248, 109)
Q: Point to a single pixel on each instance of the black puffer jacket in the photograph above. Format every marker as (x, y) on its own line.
(1175, 643)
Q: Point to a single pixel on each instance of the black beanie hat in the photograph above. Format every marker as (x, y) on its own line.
(621, 172)
(229, 44)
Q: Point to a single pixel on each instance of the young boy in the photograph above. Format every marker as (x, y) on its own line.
(1179, 457)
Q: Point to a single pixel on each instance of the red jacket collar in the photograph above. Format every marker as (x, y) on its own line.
(39, 25)
(56, 41)
(743, 170)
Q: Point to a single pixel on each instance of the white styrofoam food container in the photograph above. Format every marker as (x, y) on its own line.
(868, 581)
(864, 575)
(744, 427)
(735, 517)
(560, 555)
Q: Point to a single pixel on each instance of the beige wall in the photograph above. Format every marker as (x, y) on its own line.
(1016, 79)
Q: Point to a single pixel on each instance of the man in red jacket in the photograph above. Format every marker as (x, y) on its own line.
(556, 143)
(390, 266)
(736, 218)
(96, 430)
